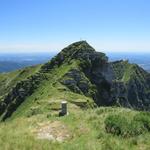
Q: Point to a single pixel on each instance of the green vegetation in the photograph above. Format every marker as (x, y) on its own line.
(86, 129)
(9, 80)
(121, 126)
(30, 104)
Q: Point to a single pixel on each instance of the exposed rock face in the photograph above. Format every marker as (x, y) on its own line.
(18, 94)
(136, 81)
(117, 83)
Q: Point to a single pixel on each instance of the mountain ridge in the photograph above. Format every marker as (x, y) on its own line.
(79, 70)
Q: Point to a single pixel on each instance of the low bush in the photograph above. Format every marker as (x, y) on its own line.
(33, 111)
(119, 125)
(144, 118)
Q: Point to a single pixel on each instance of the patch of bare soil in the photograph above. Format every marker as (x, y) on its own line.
(54, 131)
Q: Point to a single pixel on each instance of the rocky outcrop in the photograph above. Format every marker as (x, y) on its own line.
(18, 94)
(118, 83)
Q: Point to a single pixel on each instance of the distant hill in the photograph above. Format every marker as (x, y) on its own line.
(10, 62)
(140, 58)
(7, 66)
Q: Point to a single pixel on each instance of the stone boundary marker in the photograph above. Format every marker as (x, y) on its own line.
(63, 111)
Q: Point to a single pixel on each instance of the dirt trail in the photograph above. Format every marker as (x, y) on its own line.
(54, 131)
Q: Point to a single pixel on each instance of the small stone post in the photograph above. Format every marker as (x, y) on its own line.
(63, 108)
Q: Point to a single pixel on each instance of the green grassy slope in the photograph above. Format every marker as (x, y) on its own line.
(87, 130)
(124, 71)
(41, 83)
(53, 92)
(136, 81)
(9, 80)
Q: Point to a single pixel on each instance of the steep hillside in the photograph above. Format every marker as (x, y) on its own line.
(118, 83)
(135, 84)
(9, 80)
(80, 71)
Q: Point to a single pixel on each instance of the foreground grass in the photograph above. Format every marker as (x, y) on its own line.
(87, 128)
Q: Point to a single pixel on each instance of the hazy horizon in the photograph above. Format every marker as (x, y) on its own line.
(57, 51)
(14, 61)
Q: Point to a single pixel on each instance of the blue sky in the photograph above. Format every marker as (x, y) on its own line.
(49, 25)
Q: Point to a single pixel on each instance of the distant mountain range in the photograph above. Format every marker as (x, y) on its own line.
(14, 61)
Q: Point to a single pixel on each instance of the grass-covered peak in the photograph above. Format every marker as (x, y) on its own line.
(78, 47)
(76, 51)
